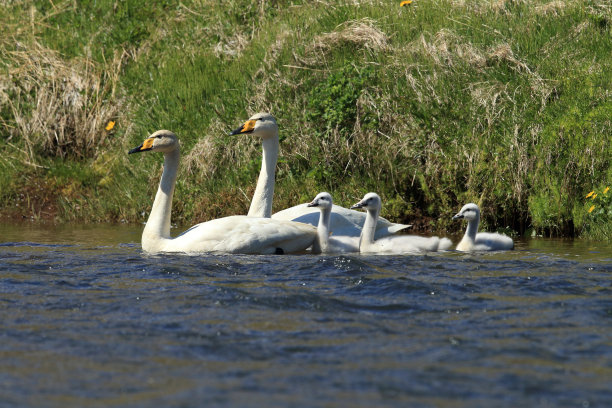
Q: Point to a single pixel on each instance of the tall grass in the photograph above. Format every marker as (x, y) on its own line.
(505, 103)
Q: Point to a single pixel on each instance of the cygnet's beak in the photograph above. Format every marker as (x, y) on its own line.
(458, 216)
(358, 205)
(314, 203)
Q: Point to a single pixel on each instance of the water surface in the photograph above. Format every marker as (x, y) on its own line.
(89, 320)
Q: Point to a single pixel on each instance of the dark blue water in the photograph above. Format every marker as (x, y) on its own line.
(88, 320)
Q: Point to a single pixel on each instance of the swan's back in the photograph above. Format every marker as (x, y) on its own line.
(342, 244)
(492, 241)
(403, 244)
(343, 221)
(245, 235)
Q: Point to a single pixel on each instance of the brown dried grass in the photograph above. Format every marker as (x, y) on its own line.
(362, 34)
(554, 8)
(59, 107)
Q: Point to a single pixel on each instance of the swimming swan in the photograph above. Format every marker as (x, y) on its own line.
(324, 243)
(483, 241)
(235, 234)
(343, 221)
(263, 125)
(395, 244)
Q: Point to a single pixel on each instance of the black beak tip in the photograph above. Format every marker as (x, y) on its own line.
(239, 131)
(457, 217)
(135, 150)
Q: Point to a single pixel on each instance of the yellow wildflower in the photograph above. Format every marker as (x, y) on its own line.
(405, 3)
(110, 125)
(594, 196)
(606, 190)
(590, 194)
(591, 209)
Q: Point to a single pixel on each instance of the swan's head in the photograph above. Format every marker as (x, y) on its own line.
(469, 212)
(261, 124)
(370, 201)
(161, 141)
(322, 200)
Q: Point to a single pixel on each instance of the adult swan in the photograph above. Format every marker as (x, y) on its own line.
(343, 221)
(236, 234)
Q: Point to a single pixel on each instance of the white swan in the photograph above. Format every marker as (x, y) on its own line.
(324, 243)
(235, 234)
(263, 125)
(483, 241)
(395, 244)
(343, 221)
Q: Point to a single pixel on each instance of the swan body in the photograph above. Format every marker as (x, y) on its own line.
(393, 244)
(235, 234)
(480, 241)
(324, 243)
(343, 222)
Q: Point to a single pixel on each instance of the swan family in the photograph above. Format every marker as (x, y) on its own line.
(320, 226)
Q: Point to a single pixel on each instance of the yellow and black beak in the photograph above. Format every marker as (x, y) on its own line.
(248, 127)
(146, 145)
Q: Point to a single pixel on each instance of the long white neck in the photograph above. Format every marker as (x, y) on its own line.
(157, 228)
(469, 239)
(369, 229)
(261, 205)
(321, 242)
(472, 229)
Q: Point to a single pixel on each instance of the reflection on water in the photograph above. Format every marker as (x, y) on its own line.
(88, 320)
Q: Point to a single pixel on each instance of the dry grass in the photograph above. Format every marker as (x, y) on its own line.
(554, 8)
(59, 107)
(447, 49)
(363, 34)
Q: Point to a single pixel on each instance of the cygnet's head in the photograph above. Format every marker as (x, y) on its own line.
(322, 200)
(161, 141)
(261, 124)
(469, 212)
(370, 201)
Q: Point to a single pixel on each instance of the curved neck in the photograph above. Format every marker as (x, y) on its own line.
(321, 242)
(261, 204)
(472, 229)
(369, 229)
(158, 224)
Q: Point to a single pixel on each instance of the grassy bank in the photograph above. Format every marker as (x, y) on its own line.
(504, 103)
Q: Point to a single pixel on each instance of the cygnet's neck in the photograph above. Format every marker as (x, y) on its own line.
(472, 228)
(369, 229)
(320, 244)
(261, 204)
(157, 228)
(469, 239)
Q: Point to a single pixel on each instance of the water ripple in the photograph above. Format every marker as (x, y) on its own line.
(106, 325)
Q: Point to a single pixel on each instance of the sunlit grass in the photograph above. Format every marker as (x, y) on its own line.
(505, 103)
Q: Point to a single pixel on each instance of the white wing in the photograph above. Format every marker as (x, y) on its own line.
(245, 235)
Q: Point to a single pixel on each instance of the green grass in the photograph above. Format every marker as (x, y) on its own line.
(432, 105)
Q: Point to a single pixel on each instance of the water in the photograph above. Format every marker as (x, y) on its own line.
(88, 320)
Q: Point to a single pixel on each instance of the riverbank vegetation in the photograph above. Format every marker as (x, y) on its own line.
(432, 105)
